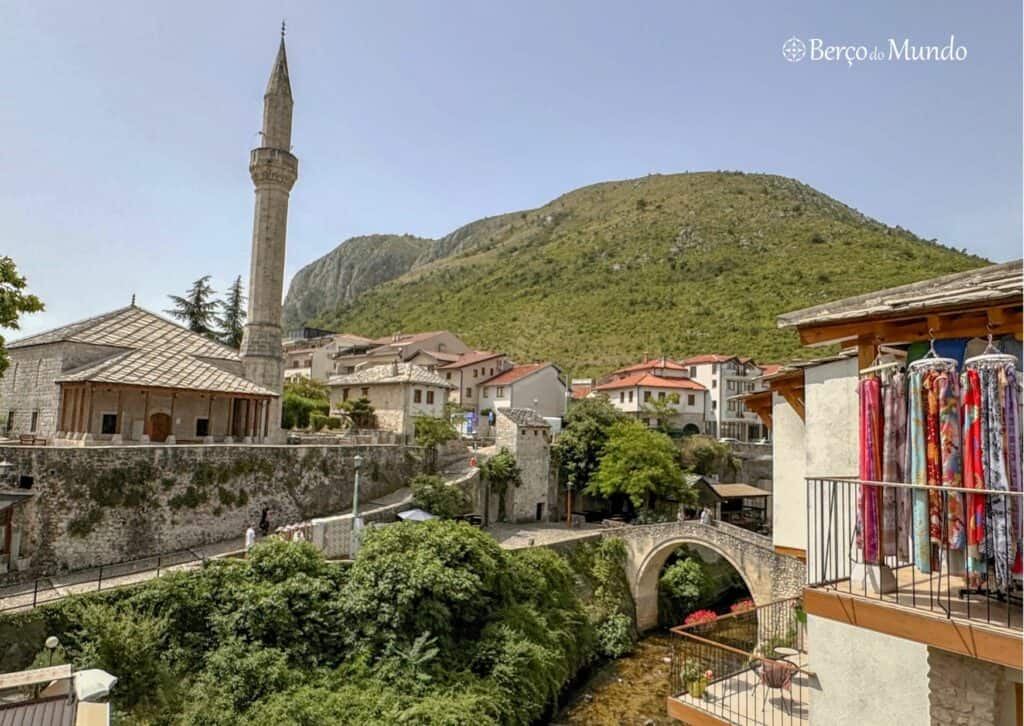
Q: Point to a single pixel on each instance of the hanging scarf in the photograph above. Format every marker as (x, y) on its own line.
(973, 474)
(870, 467)
(994, 455)
(917, 470)
(895, 500)
(952, 462)
(1011, 418)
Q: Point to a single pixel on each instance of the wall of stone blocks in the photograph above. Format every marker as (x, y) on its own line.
(99, 505)
(966, 691)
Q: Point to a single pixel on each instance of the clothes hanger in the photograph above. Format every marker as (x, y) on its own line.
(991, 354)
(931, 359)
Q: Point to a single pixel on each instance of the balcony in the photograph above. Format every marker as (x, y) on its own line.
(940, 583)
(746, 668)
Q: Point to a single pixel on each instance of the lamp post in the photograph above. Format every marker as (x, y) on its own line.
(357, 523)
(52, 644)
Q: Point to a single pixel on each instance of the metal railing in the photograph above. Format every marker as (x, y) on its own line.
(43, 590)
(947, 550)
(745, 668)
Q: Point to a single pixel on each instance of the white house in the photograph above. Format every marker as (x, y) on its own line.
(467, 373)
(725, 377)
(539, 387)
(633, 390)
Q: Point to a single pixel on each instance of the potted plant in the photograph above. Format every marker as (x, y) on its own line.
(701, 621)
(695, 679)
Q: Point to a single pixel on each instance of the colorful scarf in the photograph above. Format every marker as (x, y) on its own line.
(870, 468)
(917, 470)
(895, 500)
(949, 436)
(973, 474)
(993, 446)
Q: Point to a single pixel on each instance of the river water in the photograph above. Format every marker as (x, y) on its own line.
(625, 692)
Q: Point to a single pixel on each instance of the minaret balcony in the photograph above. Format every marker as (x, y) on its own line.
(273, 166)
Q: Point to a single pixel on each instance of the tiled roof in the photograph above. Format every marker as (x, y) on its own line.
(56, 711)
(657, 363)
(156, 352)
(987, 285)
(581, 390)
(708, 358)
(650, 381)
(439, 356)
(390, 374)
(468, 359)
(768, 369)
(406, 339)
(522, 416)
(514, 374)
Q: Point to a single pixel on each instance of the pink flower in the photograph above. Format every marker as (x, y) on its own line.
(709, 674)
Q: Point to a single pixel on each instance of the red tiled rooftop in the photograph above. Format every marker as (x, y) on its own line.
(650, 381)
(514, 374)
(707, 358)
(770, 369)
(468, 359)
(581, 390)
(652, 365)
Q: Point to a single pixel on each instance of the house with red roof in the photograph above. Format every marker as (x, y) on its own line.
(726, 377)
(468, 371)
(636, 390)
(540, 387)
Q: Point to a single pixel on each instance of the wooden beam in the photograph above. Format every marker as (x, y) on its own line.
(795, 400)
(34, 676)
(145, 415)
(791, 552)
(691, 715)
(866, 351)
(88, 415)
(1006, 319)
(174, 396)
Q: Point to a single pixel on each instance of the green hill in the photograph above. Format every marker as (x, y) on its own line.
(674, 265)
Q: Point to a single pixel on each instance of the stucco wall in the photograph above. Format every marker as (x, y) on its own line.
(864, 677)
(93, 506)
(789, 490)
(830, 399)
(393, 403)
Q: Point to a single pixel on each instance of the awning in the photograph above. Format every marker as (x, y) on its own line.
(739, 491)
(9, 499)
(416, 515)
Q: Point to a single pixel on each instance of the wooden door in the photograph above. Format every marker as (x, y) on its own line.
(159, 427)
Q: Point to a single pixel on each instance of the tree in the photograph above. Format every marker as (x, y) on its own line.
(639, 463)
(500, 472)
(198, 309)
(704, 455)
(431, 493)
(232, 316)
(300, 401)
(686, 582)
(13, 302)
(360, 412)
(663, 410)
(432, 432)
(581, 442)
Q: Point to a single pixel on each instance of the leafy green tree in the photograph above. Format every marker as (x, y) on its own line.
(360, 412)
(14, 301)
(641, 464)
(663, 410)
(431, 493)
(499, 473)
(581, 443)
(686, 581)
(197, 309)
(704, 455)
(231, 320)
(432, 432)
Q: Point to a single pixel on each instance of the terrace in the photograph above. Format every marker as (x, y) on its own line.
(930, 589)
(746, 668)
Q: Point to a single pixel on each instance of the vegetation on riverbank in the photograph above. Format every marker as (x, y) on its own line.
(433, 624)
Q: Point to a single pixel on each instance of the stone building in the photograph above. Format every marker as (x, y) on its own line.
(429, 350)
(398, 392)
(130, 375)
(528, 437)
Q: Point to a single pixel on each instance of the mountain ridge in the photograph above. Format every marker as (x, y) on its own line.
(669, 253)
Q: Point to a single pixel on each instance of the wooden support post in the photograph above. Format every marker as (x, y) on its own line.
(74, 409)
(266, 420)
(174, 397)
(63, 409)
(88, 415)
(120, 413)
(866, 352)
(145, 416)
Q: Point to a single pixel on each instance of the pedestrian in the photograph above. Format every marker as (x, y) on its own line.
(265, 521)
(250, 537)
(705, 516)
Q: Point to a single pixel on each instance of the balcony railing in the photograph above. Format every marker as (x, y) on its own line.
(744, 668)
(946, 550)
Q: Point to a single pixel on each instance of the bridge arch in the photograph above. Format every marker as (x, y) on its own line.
(767, 575)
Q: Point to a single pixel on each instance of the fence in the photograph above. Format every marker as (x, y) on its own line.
(29, 595)
(947, 550)
(744, 668)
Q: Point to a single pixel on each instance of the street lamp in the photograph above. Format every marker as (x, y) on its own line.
(357, 523)
(51, 643)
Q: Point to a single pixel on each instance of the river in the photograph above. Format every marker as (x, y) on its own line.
(625, 692)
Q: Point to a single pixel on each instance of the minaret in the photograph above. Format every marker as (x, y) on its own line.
(274, 171)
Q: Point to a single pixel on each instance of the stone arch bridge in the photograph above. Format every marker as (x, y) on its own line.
(769, 576)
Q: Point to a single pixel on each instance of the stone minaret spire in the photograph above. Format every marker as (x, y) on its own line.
(274, 171)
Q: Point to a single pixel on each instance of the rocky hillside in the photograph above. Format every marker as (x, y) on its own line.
(674, 265)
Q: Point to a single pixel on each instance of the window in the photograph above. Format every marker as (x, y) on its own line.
(731, 406)
(487, 391)
(474, 373)
(491, 373)
(730, 385)
(35, 421)
(501, 392)
(417, 395)
(661, 395)
(344, 393)
(693, 371)
(691, 399)
(622, 396)
(469, 391)
(364, 392)
(631, 397)
(714, 383)
(202, 427)
(448, 376)
(108, 423)
(647, 396)
(10, 420)
(714, 405)
(430, 396)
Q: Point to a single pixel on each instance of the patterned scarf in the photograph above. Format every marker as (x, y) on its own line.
(949, 436)
(993, 447)
(917, 470)
(895, 500)
(973, 474)
(870, 467)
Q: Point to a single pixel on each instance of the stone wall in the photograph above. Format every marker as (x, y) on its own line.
(531, 446)
(966, 691)
(100, 505)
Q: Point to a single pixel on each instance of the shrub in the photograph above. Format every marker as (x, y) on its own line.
(360, 412)
(296, 410)
(615, 636)
(318, 420)
(431, 493)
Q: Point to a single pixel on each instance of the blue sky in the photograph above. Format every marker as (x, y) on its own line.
(127, 125)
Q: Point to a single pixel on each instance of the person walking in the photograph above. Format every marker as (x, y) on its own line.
(265, 521)
(705, 516)
(250, 537)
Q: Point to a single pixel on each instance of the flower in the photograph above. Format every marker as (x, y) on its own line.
(700, 616)
(742, 605)
(709, 674)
